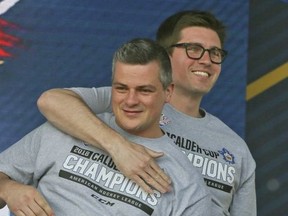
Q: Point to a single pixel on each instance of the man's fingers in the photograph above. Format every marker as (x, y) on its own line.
(25, 211)
(154, 154)
(150, 178)
(157, 180)
(34, 208)
(156, 183)
(154, 175)
(19, 213)
(156, 168)
(138, 163)
(142, 184)
(45, 208)
(160, 174)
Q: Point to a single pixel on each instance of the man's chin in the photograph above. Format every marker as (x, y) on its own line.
(131, 128)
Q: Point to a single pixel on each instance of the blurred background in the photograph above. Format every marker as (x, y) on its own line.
(69, 43)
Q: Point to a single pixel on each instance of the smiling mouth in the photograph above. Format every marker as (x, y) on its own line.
(131, 112)
(201, 73)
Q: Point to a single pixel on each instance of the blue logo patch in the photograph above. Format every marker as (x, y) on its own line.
(227, 156)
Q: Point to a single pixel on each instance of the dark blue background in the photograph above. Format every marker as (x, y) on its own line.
(70, 43)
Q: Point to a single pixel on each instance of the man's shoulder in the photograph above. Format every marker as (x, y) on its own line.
(218, 124)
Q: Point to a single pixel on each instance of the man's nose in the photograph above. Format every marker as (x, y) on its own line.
(206, 57)
(131, 98)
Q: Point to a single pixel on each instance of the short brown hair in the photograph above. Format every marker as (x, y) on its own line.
(143, 51)
(169, 31)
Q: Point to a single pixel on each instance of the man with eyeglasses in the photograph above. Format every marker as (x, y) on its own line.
(194, 41)
(196, 51)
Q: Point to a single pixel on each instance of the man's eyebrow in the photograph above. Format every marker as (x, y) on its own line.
(146, 86)
(137, 87)
(118, 83)
(200, 44)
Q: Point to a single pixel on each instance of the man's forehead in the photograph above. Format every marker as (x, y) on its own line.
(200, 35)
(134, 85)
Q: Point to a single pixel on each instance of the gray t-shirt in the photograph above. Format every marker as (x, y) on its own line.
(79, 179)
(220, 155)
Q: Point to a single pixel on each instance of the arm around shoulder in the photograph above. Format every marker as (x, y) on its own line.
(54, 103)
(67, 111)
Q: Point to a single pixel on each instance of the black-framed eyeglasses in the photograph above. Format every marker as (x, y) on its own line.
(196, 51)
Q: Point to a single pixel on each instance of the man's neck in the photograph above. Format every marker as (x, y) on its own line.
(151, 134)
(189, 104)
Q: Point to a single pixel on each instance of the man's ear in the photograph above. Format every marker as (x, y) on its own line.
(169, 92)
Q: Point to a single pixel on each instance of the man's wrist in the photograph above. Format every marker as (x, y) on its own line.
(5, 181)
(114, 143)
